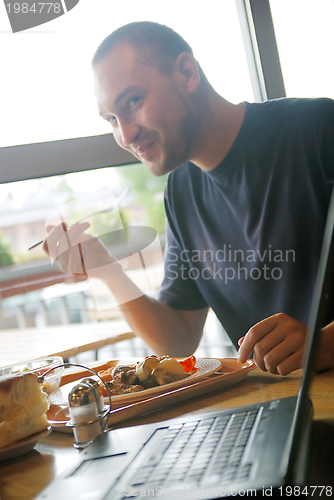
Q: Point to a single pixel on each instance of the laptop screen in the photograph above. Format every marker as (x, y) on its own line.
(319, 314)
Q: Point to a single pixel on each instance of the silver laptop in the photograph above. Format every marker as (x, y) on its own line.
(247, 451)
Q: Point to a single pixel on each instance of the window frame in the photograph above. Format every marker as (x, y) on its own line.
(260, 44)
(45, 159)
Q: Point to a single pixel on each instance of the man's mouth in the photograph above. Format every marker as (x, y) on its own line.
(145, 151)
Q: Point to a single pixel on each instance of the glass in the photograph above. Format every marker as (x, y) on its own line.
(305, 39)
(34, 293)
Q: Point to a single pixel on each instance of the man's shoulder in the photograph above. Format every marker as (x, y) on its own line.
(294, 107)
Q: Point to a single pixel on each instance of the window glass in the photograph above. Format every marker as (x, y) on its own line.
(34, 292)
(46, 83)
(305, 39)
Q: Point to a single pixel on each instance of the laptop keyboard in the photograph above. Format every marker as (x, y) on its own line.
(207, 451)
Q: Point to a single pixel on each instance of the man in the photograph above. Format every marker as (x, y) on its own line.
(246, 202)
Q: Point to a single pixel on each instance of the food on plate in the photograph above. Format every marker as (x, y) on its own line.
(146, 367)
(188, 364)
(152, 371)
(168, 370)
(23, 407)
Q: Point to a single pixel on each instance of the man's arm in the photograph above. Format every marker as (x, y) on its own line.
(164, 329)
(278, 343)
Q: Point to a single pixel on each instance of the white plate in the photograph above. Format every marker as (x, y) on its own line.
(58, 417)
(205, 367)
(230, 373)
(23, 446)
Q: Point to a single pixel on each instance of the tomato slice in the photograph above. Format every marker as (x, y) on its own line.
(188, 364)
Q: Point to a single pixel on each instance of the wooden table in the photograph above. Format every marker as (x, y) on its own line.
(24, 477)
(65, 340)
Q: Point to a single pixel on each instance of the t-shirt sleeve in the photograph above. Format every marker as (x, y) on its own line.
(179, 289)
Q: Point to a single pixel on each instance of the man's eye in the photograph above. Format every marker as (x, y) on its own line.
(133, 101)
(112, 120)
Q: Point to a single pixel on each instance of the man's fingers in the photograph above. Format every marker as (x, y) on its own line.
(240, 341)
(54, 233)
(290, 363)
(79, 257)
(256, 333)
(82, 238)
(280, 351)
(75, 260)
(277, 342)
(269, 350)
(268, 355)
(74, 232)
(76, 252)
(60, 238)
(51, 241)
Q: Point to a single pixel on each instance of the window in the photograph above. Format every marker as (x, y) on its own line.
(27, 206)
(46, 85)
(305, 39)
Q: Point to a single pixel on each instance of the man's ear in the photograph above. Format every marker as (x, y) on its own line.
(187, 69)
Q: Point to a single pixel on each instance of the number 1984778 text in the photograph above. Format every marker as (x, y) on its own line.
(35, 8)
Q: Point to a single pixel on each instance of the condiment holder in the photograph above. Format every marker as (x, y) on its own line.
(88, 413)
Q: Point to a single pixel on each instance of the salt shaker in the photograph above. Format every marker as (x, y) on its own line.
(98, 392)
(83, 410)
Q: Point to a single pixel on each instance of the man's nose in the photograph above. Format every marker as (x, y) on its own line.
(129, 132)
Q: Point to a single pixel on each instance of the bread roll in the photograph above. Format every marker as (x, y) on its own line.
(23, 405)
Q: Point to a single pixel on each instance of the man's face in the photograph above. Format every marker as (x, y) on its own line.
(151, 114)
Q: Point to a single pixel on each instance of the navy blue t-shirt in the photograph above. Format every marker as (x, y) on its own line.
(245, 238)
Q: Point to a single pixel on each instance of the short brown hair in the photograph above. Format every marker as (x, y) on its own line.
(161, 44)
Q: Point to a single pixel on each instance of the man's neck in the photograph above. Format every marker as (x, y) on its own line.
(221, 124)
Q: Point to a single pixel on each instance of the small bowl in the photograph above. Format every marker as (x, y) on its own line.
(39, 366)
